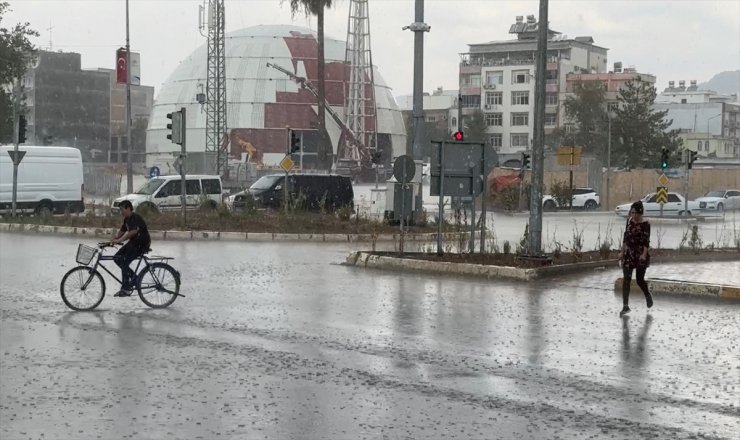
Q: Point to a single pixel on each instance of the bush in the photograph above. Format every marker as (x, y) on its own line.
(560, 191)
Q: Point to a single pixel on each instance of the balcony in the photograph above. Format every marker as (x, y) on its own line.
(552, 88)
(470, 90)
(467, 68)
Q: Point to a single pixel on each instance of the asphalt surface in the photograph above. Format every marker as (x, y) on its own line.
(280, 341)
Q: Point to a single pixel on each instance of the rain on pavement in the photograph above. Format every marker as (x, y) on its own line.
(278, 340)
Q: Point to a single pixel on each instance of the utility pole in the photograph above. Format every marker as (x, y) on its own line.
(538, 147)
(608, 158)
(16, 133)
(418, 27)
(129, 151)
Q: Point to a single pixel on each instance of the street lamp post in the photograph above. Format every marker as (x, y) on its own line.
(608, 157)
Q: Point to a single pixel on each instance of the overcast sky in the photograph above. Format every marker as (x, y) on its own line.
(674, 40)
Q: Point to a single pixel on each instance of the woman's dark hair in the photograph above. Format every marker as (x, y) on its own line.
(126, 204)
(637, 207)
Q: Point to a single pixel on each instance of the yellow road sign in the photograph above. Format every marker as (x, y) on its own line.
(662, 196)
(663, 180)
(287, 163)
(568, 154)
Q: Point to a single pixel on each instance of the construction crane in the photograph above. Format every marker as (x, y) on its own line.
(350, 136)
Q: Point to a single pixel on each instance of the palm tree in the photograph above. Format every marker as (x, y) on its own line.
(316, 7)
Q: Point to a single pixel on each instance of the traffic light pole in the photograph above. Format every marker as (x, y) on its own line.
(183, 149)
(686, 183)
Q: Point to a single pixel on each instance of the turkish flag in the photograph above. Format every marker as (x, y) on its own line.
(121, 67)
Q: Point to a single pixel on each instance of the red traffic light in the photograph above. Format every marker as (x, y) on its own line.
(458, 136)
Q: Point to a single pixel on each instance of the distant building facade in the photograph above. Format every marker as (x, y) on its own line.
(709, 123)
(70, 106)
(67, 106)
(498, 78)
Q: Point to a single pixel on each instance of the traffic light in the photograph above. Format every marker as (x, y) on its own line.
(663, 158)
(295, 142)
(525, 160)
(21, 129)
(175, 127)
(458, 136)
(691, 158)
(375, 157)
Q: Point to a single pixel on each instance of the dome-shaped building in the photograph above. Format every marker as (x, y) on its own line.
(262, 101)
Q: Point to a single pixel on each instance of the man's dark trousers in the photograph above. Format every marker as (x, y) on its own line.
(123, 259)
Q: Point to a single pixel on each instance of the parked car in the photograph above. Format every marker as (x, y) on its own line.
(676, 205)
(720, 201)
(313, 191)
(50, 180)
(583, 198)
(163, 193)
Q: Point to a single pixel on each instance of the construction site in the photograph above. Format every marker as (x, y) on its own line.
(252, 97)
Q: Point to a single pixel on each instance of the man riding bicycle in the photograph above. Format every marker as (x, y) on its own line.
(134, 230)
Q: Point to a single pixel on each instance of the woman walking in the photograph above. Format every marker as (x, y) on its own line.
(635, 255)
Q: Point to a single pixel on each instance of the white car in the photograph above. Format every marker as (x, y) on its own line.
(728, 199)
(163, 193)
(585, 198)
(676, 206)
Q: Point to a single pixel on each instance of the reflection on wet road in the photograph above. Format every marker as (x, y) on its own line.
(279, 341)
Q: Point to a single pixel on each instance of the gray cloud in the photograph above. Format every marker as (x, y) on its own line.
(671, 39)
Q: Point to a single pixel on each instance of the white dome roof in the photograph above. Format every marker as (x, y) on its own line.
(260, 99)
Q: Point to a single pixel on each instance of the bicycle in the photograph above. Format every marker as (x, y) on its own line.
(83, 287)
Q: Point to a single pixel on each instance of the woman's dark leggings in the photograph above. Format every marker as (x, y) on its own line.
(628, 281)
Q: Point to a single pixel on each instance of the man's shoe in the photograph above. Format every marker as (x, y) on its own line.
(624, 311)
(123, 293)
(649, 300)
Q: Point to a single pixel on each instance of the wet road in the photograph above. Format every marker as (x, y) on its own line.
(279, 341)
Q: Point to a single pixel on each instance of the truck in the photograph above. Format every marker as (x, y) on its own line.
(50, 180)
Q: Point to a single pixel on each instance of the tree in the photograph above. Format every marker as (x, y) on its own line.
(587, 110)
(641, 131)
(475, 127)
(16, 53)
(317, 7)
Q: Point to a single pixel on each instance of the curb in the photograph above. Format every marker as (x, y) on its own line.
(671, 287)
(226, 236)
(371, 261)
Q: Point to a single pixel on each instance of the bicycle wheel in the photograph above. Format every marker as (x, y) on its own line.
(82, 288)
(158, 285)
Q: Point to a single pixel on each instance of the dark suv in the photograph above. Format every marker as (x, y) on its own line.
(309, 191)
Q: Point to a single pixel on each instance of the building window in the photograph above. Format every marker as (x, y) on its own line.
(698, 146)
(519, 98)
(496, 140)
(520, 119)
(453, 122)
(520, 140)
(551, 99)
(570, 128)
(494, 78)
(471, 80)
(471, 101)
(494, 119)
(431, 118)
(520, 77)
(683, 100)
(494, 98)
(612, 107)
(551, 119)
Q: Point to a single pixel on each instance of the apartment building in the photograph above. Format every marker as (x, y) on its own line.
(498, 78)
(709, 123)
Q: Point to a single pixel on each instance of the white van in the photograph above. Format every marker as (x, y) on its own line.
(163, 193)
(49, 180)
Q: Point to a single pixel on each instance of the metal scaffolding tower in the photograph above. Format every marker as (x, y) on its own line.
(360, 108)
(216, 130)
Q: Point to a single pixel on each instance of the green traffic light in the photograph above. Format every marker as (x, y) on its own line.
(664, 165)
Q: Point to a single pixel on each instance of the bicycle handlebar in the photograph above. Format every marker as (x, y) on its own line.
(105, 244)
